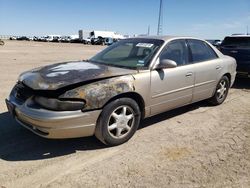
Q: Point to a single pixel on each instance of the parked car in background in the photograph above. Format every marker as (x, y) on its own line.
(100, 37)
(39, 38)
(64, 39)
(51, 38)
(98, 41)
(109, 94)
(75, 40)
(56, 39)
(105, 34)
(23, 38)
(238, 47)
(109, 41)
(35, 38)
(42, 39)
(216, 43)
(13, 38)
(71, 38)
(86, 40)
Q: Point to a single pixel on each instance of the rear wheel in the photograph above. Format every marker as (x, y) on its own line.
(221, 91)
(118, 121)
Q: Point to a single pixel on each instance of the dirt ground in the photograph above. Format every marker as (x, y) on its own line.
(194, 146)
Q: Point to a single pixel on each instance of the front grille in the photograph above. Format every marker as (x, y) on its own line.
(23, 92)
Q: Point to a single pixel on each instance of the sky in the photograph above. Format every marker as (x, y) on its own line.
(208, 19)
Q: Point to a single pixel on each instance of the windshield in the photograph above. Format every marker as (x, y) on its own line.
(236, 41)
(129, 53)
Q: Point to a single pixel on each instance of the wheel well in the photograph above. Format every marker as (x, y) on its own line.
(135, 96)
(228, 75)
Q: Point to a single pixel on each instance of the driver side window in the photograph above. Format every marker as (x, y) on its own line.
(176, 51)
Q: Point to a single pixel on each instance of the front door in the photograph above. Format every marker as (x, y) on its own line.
(172, 87)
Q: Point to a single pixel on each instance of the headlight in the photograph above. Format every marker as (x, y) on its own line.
(59, 105)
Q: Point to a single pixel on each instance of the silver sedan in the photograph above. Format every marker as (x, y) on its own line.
(110, 93)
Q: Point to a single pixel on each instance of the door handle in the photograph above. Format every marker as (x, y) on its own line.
(189, 74)
(218, 67)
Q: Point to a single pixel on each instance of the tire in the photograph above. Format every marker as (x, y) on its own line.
(221, 91)
(124, 125)
(1, 42)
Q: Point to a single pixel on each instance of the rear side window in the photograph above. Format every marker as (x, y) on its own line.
(201, 51)
(236, 41)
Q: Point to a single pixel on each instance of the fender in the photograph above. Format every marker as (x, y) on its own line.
(98, 93)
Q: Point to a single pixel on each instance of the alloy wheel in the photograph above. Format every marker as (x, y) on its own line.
(222, 90)
(121, 121)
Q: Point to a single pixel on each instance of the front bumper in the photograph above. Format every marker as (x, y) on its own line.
(53, 124)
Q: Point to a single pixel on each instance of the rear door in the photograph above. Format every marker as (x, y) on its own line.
(206, 67)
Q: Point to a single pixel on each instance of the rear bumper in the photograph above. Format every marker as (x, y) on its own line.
(233, 76)
(245, 67)
(243, 74)
(52, 124)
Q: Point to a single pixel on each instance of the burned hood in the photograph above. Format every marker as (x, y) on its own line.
(61, 75)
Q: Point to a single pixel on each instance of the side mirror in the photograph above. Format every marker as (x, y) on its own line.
(166, 63)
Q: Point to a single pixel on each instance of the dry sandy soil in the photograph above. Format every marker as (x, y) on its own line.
(195, 146)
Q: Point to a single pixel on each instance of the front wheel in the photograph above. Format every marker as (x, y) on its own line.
(221, 91)
(118, 121)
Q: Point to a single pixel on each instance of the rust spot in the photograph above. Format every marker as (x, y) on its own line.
(81, 94)
(98, 93)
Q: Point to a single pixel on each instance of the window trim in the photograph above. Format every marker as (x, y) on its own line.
(186, 45)
(191, 54)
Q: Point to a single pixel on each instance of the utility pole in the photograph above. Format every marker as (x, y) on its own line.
(160, 19)
(148, 30)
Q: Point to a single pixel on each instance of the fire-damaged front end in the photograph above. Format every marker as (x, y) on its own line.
(65, 100)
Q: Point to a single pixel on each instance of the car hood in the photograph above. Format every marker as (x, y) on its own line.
(65, 74)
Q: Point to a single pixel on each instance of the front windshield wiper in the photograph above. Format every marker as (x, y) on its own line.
(119, 66)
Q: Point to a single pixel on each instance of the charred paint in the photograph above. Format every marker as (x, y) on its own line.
(61, 75)
(98, 93)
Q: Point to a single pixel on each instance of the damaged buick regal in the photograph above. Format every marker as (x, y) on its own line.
(109, 94)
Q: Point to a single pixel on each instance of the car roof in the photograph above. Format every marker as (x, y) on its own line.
(168, 37)
(238, 36)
